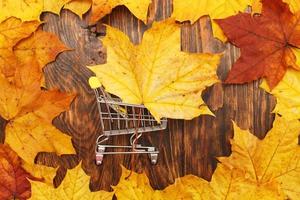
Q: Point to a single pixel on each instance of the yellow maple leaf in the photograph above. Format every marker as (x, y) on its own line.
(157, 73)
(230, 183)
(256, 169)
(268, 163)
(137, 186)
(192, 10)
(79, 7)
(12, 31)
(54, 5)
(75, 186)
(287, 94)
(100, 8)
(44, 173)
(28, 10)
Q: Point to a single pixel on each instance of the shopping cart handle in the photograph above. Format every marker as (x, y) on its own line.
(94, 82)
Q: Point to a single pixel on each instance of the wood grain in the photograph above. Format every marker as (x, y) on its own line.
(186, 147)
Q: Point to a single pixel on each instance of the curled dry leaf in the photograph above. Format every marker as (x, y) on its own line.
(74, 186)
(266, 42)
(256, 169)
(192, 10)
(157, 73)
(14, 183)
(100, 8)
(12, 31)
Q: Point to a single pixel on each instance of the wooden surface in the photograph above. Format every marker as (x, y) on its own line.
(186, 147)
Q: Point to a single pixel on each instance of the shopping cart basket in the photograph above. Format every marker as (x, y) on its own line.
(118, 118)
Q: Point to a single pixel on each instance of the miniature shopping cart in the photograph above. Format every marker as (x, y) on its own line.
(118, 118)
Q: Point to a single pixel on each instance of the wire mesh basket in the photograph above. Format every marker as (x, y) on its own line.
(118, 118)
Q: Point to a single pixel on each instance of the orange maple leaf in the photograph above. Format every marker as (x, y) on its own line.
(29, 109)
(43, 47)
(100, 8)
(12, 31)
(266, 42)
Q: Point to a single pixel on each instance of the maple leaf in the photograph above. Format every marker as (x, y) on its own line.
(74, 186)
(30, 110)
(100, 8)
(137, 186)
(256, 169)
(287, 94)
(192, 10)
(54, 5)
(29, 10)
(14, 183)
(269, 164)
(12, 31)
(41, 172)
(266, 43)
(79, 7)
(157, 73)
(293, 4)
(42, 47)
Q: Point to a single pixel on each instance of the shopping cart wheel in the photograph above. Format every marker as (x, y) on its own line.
(99, 158)
(99, 154)
(153, 158)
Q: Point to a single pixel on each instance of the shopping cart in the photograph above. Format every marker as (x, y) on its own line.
(118, 118)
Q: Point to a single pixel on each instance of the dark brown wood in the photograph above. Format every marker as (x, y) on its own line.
(187, 147)
(3, 123)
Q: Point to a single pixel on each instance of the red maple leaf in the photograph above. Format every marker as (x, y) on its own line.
(266, 42)
(14, 183)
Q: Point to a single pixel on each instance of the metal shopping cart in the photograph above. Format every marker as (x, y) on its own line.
(118, 118)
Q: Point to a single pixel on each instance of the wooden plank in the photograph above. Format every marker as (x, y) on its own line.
(187, 147)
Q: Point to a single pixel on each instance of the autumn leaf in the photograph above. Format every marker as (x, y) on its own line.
(270, 163)
(74, 186)
(42, 47)
(100, 8)
(225, 184)
(287, 94)
(30, 110)
(266, 43)
(41, 172)
(293, 4)
(54, 5)
(12, 31)
(29, 10)
(256, 169)
(79, 7)
(157, 73)
(14, 183)
(137, 186)
(192, 10)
